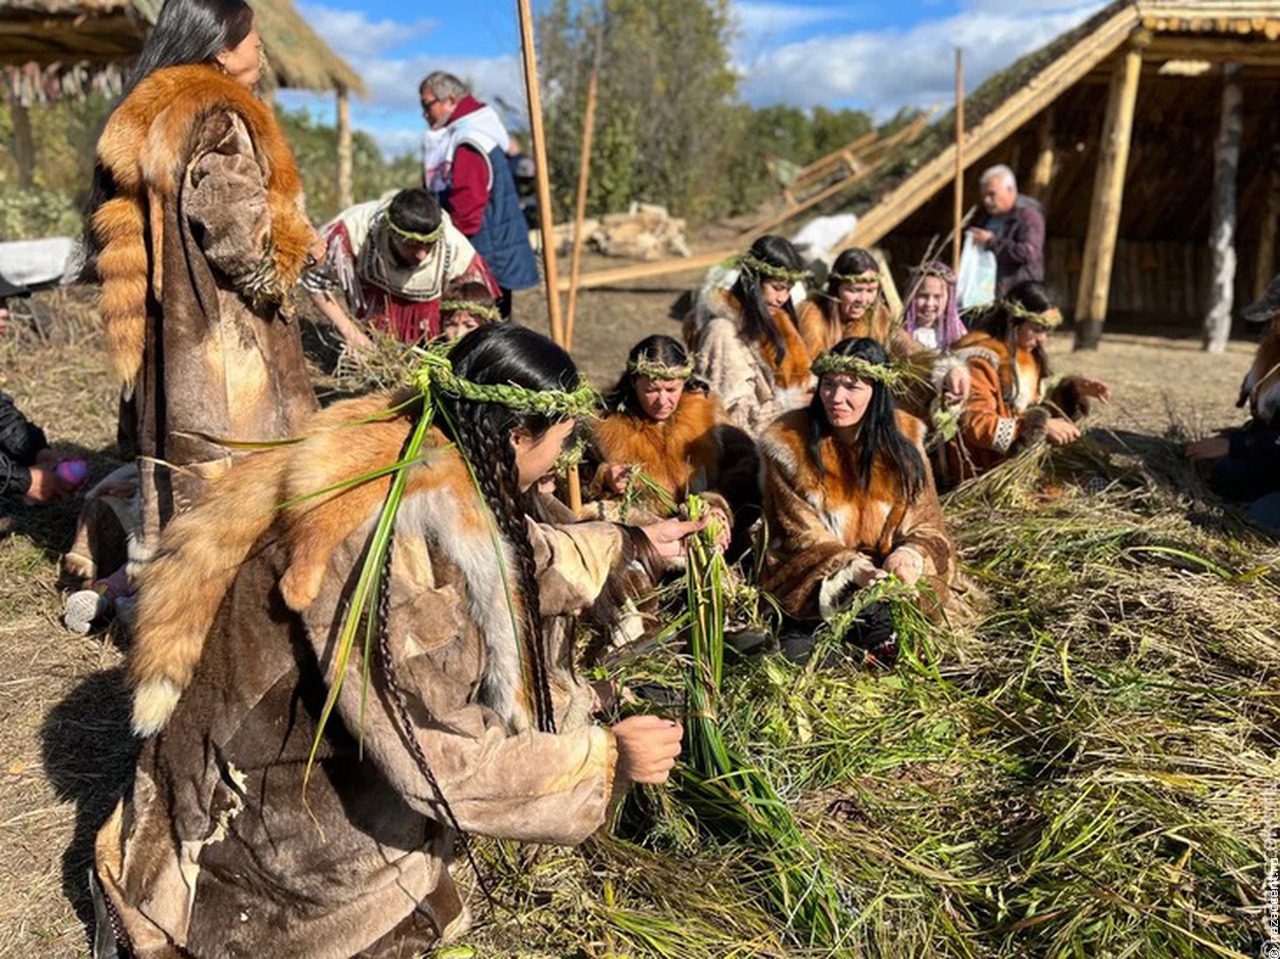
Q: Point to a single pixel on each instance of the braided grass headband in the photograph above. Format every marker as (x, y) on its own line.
(479, 310)
(423, 238)
(855, 366)
(1050, 319)
(760, 268)
(866, 276)
(436, 375)
(660, 371)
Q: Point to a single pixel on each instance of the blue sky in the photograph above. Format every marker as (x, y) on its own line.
(875, 55)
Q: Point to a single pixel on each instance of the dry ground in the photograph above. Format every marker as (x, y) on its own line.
(64, 746)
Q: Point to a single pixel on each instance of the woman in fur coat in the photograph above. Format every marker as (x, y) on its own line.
(223, 847)
(197, 233)
(659, 420)
(748, 341)
(853, 305)
(1011, 405)
(849, 499)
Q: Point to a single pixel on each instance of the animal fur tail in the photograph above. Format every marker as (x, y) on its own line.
(183, 586)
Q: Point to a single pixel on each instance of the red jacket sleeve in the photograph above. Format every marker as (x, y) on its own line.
(469, 189)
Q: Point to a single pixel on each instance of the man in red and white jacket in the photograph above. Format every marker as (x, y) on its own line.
(465, 164)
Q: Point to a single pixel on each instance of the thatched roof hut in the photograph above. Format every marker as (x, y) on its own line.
(51, 49)
(1146, 131)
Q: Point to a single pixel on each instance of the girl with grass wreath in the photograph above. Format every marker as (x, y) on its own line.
(750, 351)
(1012, 403)
(466, 306)
(340, 675)
(853, 305)
(849, 500)
(660, 421)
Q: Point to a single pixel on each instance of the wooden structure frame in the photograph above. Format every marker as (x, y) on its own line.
(56, 48)
(1148, 160)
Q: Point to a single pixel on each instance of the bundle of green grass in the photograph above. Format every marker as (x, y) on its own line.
(1082, 769)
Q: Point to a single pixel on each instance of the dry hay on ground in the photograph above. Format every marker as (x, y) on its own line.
(1083, 766)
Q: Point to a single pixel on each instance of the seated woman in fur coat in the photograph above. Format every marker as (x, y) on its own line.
(223, 846)
(748, 341)
(1010, 405)
(849, 499)
(659, 420)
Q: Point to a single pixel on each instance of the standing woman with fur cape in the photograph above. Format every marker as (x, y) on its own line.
(748, 339)
(231, 841)
(849, 500)
(662, 421)
(197, 233)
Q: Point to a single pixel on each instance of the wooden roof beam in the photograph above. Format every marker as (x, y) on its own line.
(1039, 93)
(1244, 52)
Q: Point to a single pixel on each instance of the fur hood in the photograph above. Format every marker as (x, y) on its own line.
(673, 452)
(203, 549)
(146, 147)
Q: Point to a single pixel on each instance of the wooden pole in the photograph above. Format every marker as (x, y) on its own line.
(1042, 174)
(584, 180)
(24, 143)
(1265, 267)
(1108, 197)
(345, 196)
(958, 210)
(530, 55)
(1222, 233)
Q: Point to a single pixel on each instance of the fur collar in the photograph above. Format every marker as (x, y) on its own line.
(1019, 378)
(793, 371)
(146, 147)
(674, 452)
(860, 519)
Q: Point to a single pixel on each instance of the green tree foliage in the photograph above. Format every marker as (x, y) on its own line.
(670, 127)
(315, 144)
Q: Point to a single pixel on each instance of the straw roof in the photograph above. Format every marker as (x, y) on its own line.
(54, 48)
(1221, 30)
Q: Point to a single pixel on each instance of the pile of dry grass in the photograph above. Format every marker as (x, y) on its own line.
(1079, 772)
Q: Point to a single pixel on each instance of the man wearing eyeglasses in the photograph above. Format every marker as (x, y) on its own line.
(465, 165)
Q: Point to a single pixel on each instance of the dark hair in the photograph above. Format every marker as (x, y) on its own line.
(191, 31)
(1003, 325)
(756, 321)
(658, 349)
(466, 291)
(500, 354)
(878, 433)
(416, 210)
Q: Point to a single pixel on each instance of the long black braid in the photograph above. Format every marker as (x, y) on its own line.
(401, 705)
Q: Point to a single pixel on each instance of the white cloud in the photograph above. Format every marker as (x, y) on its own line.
(352, 34)
(888, 69)
(390, 110)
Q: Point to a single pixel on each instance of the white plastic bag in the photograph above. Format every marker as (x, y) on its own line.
(976, 284)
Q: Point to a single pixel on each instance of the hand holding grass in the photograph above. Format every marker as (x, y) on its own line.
(667, 537)
(647, 749)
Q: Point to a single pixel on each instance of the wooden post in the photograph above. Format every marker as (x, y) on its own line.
(345, 197)
(1108, 196)
(1222, 233)
(958, 238)
(1042, 174)
(1265, 267)
(552, 278)
(584, 180)
(24, 143)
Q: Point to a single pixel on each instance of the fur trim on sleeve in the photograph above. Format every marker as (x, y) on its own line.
(836, 589)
